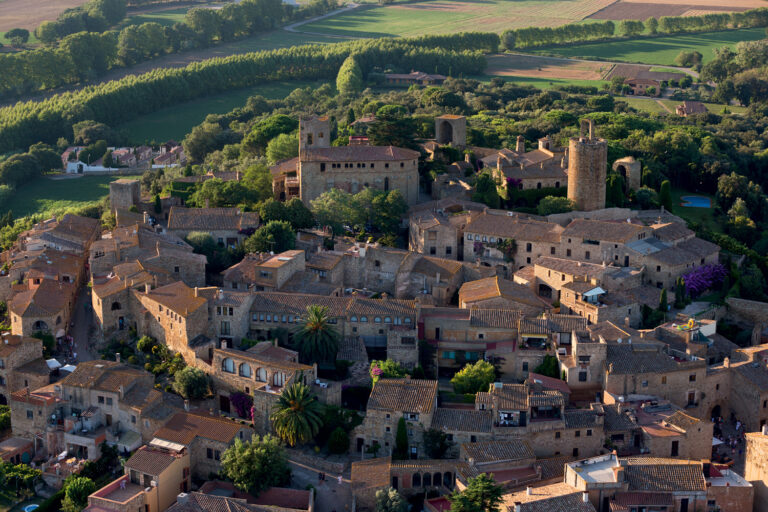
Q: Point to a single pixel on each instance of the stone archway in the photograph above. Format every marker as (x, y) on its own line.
(446, 133)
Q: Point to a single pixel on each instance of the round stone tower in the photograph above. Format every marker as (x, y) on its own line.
(587, 163)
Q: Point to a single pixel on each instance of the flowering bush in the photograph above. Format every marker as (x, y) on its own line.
(478, 246)
(242, 403)
(703, 278)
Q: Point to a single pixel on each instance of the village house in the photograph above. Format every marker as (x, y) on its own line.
(643, 86)
(19, 359)
(39, 264)
(555, 497)
(689, 108)
(42, 305)
(229, 227)
(320, 167)
(414, 78)
(218, 495)
(70, 234)
(437, 228)
(544, 167)
(498, 293)
(264, 271)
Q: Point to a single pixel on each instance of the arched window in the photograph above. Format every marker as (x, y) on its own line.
(116, 306)
(387, 320)
(436, 479)
(364, 319)
(245, 370)
(227, 365)
(353, 319)
(407, 320)
(261, 375)
(416, 480)
(448, 479)
(40, 326)
(427, 480)
(58, 320)
(386, 184)
(278, 379)
(377, 320)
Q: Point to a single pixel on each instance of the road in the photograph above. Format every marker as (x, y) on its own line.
(82, 318)
(330, 496)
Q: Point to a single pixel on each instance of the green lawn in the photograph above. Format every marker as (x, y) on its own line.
(703, 216)
(176, 121)
(656, 50)
(447, 16)
(646, 105)
(45, 195)
(165, 18)
(542, 83)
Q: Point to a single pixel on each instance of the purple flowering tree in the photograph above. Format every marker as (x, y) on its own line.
(704, 278)
(479, 247)
(242, 403)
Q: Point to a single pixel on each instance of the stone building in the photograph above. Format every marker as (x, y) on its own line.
(631, 170)
(439, 230)
(39, 264)
(544, 167)
(756, 467)
(498, 293)
(587, 162)
(259, 272)
(320, 167)
(16, 353)
(42, 305)
(71, 233)
(123, 194)
(229, 227)
(451, 129)
(205, 436)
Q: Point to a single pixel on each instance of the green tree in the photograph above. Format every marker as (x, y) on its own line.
(485, 190)
(145, 344)
(752, 283)
(78, 489)
(350, 77)
(614, 190)
(282, 147)
(401, 441)
(665, 195)
(191, 382)
(549, 367)
(316, 340)
(554, 204)
(646, 198)
(386, 369)
(389, 500)
(297, 415)
(158, 204)
(17, 36)
(482, 494)
(298, 214)
(652, 25)
(663, 305)
(276, 236)
(338, 443)
(271, 209)
(257, 464)
(474, 378)
(436, 443)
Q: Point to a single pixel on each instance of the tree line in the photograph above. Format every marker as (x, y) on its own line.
(92, 16)
(534, 37)
(76, 52)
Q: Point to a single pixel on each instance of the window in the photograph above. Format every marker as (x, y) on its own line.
(577, 433)
(133, 419)
(586, 255)
(109, 401)
(568, 253)
(644, 383)
(525, 366)
(388, 429)
(448, 251)
(552, 250)
(209, 453)
(692, 377)
(557, 435)
(664, 379)
(528, 247)
(377, 263)
(228, 365)
(101, 400)
(480, 336)
(363, 319)
(589, 433)
(225, 328)
(217, 454)
(322, 167)
(176, 269)
(433, 251)
(472, 439)
(377, 320)
(30, 414)
(582, 376)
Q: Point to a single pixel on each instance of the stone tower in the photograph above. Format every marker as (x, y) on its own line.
(451, 129)
(314, 132)
(631, 170)
(587, 164)
(123, 194)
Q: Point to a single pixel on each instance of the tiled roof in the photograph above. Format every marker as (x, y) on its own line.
(493, 287)
(264, 360)
(602, 231)
(682, 421)
(671, 231)
(407, 395)
(499, 318)
(466, 420)
(571, 267)
(627, 359)
(553, 467)
(151, 461)
(296, 304)
(211, 219)
(37, 366)
(644, 499)
(198, 502)
(103, 375)
(549, 382)
(371, 473)
(430, 266)
(516, 397)
(580, 418)
(510, 227)
(690, 251)
(9, 344)
(658, 474)
(615, 421)
(184, 427)
(755, 374)
(323, 261)
(498, 451)
(358, 154)
(178, 297)
(559, 497)
(47, 299)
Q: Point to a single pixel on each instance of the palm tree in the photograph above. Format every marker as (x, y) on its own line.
(296, 416)
(316, 340)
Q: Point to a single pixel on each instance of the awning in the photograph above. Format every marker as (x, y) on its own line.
(53, 364)
(716, 441)
(60, 333)
(594, 291)
(69, 368)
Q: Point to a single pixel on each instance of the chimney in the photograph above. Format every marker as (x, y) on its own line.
(520, 146)
(727, 362)
(467, 158)
(626, 321)
(186, 405)
(117, 356)
(197, 292)
(122, 391)
(224, 344)
(765, 430)
(585, 497)
(147, 287)
(146, 217)
(237, 175)
(221, 294)
(182, 498)
(518, 506)
(528, 490)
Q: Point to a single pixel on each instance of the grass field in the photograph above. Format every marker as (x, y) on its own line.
(657, 50)
(704, 216)
(45, 195)
(653, 106)
(541, 83)
(446, 16)
(176, 121)
(165, 17)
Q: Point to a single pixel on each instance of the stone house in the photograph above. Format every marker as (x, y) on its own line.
(463, 426)
(665, 266)
(498, 293)
(205, 436)
(72, 234)
(320, 167)
(229, 227)
(31, 413)
(328, 266)
(39, 264)
(543, 167)
(414, 400)
(15, 353)
(555, 497)
(154, 476)
(42, 305)
(261, 272)
(644, 86)
(756, 467)
(229, 313)
(439, 230)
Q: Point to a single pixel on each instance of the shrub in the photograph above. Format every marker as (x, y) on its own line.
(338, 442)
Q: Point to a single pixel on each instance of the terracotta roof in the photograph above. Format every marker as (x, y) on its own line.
(37, 366)
(264, 360)
(580, 418)
(47, 299)
(151, 461)
(211, 219)
(184, 427)
(371, 473)
(549, 382)
(671, 231)
(615, 421)
(497, 287)
(571, 267)
(511, 227)
(682, 421)
(103, 375)
(407, 395)
(602, 231)
(12, 342)
(178, 297)
(659, 474)
(689, 251)
(498, 451)
(323, 261)
(644, 499)
(516, 397)
(627, 359)
(430, 266)
(296, 304)
(463, 420)
(499, 318)
(358, 154)
(198, 502)
(559, 497)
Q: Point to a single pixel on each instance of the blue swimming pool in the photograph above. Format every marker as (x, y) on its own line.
(30, 508)
(696, 202)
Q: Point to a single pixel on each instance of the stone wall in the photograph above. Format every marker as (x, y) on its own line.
(756, 468)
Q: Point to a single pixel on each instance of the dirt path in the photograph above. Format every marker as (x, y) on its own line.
(664, 106)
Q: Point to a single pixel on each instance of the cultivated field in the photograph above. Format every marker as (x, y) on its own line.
(446, 16)
(164, 16)
(516, 65)
(656, 50)
(628, 10)
(26, 14)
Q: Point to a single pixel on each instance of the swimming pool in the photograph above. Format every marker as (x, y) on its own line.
(30, 508)
(696, 202)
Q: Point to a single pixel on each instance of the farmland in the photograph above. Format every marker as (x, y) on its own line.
(629, 10)
(508, 65)
(165, 17)
(26, 14)
(176, 121)
(656, 50)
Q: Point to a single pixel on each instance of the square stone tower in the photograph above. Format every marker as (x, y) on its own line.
(451, 129)
(124, 193)
(587, 167)
(314, 132)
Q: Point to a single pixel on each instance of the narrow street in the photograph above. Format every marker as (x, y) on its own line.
(82, 318)
(330, 496)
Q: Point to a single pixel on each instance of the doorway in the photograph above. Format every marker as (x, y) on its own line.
(224, 404)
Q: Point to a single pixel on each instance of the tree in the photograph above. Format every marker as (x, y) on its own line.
(665, 195)
(282, 147)
(474, 378)
(158, 204)
(78, 488)
(485, 190)
(257, 464)
(549, 367)
(350, 77)
(17, 36)
(652, 25)
(275, 236)
(646, 198)
(436, 443)
(145, 344)
(191, 382)
(401, 440)
(554, 204)
(298, 214)
(389, 500)
(393, 127)
(387, 369)
(338, 443)
(482, 494)
(316, 340)
(271, 209)
(663, 305)
(297, 415)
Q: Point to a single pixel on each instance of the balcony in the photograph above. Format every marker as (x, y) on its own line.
(119, 494)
